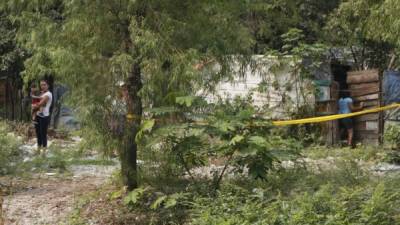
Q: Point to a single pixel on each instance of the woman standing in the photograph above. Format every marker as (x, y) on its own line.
(346, 106)
(43, 118)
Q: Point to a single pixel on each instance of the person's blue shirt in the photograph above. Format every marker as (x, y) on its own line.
(344, 105)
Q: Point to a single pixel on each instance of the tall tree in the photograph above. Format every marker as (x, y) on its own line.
(349, 27)
(11, 59)
(269, 20)
(384, 25)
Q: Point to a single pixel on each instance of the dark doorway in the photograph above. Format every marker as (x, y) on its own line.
(339, 73)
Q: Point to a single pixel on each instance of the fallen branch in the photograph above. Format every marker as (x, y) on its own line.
(217, 184)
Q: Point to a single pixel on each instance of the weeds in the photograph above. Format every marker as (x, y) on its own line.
(310, 199)
(365, 153)
(10, 155)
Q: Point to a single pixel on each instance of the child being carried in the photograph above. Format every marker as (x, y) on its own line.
(36, 97)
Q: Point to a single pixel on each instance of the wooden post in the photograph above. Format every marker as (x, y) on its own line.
(381, 114)
(335, 123)
(366, 86)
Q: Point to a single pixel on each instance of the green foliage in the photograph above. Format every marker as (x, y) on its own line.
(11, 56)
(329, 204)
(165, 207)
(384, 22)
(364, 153)
(134, 196)
(229, 131)
(379, 208)
(268, 20)
(392, 136)
(10, 154)
(357, 25)
(56, 162)
(300, 60)
(146, 126)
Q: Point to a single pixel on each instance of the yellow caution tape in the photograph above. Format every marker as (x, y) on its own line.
(312, 119)
(133, 116)
(333, 117)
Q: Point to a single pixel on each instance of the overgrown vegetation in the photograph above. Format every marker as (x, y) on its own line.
(328, 204)
(345, 192)
(14, 160)
(231, 132)
(392, 139)
(185, 160)
(10, 155)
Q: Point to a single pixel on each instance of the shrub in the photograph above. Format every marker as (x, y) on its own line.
(233, 132)
(10, 155)
(375, 205)
(392, 136)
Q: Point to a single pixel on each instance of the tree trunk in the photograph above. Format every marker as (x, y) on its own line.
(128, 151)
(13, 100)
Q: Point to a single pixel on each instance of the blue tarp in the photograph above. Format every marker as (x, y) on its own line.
(391, 87)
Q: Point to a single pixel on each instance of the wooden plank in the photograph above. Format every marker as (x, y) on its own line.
(364, 85)
(2, 93)
(364, 91)
(360, 72)
(360, 126)
(362, 78)
(328, 107)
(355, 72)
(367, 133)
(367, 139)
(358, 136)
(368, 104)
(367, 126)
(372, 125)
(367, 117)
(367, 97)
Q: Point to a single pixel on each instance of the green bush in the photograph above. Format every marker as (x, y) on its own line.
(328, 205)
(10, 155)
(392, 136)
(234, 132)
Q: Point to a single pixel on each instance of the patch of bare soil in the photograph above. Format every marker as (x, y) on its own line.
(48, 200)
(103, 210)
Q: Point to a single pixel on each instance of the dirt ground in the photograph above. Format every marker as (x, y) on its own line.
(49, 200)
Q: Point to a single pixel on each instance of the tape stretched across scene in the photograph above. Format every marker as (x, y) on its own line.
(333, 117)
(319, 119)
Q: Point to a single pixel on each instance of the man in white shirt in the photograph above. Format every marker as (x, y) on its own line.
(43, 118)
